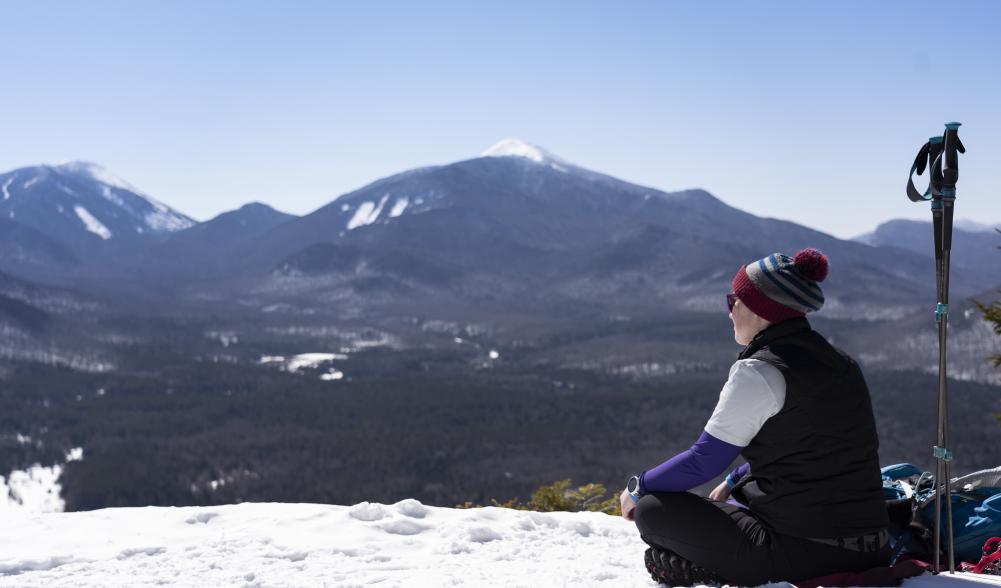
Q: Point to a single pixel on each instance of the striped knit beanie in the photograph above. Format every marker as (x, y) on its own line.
(780, 287)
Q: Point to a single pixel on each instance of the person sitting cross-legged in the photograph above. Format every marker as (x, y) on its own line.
(809, 500)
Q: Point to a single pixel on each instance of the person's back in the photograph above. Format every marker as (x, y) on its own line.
(814, 467)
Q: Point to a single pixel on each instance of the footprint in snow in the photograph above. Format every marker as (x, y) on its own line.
(582, 528)
(131, 552)
(543, 520)
(403, 527)
(483, 534)
(202, 517)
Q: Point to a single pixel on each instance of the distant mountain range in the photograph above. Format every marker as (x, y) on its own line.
(976, 227)
(974, 245)
(517, 215)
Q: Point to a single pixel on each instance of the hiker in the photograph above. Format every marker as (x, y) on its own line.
(809, 500)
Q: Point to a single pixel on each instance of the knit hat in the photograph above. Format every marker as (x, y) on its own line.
(780, 287)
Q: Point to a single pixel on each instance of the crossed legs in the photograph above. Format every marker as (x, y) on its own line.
(735, 544)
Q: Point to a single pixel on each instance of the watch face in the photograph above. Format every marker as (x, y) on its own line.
(633, 484)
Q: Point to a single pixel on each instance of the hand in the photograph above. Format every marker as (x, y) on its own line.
(720, 493)
(628, 506)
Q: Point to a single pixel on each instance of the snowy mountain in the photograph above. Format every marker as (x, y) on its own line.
(523, 222)
(516, 217)
(83, 207)
(274, 544)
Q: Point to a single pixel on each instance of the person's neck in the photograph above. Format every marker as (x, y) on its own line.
(761, 327)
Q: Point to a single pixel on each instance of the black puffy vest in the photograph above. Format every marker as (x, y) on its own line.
(814, 465)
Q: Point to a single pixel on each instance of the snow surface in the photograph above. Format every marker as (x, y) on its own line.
(307, 360)
(519, 148)
(93, 225)
(399, 207)
(34, 490)
(361, 215)
(367, 213)
(111, 196)
(404, 544)
(297, 362)
(165, 220)
(332, 375)
(6, 194)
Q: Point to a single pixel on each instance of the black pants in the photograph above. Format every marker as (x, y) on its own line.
(732, 542)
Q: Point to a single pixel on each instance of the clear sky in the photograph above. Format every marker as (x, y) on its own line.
(808, 111)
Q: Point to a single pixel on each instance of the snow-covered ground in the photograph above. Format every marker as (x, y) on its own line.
(313, 545)
(35, 489)
(308, 360)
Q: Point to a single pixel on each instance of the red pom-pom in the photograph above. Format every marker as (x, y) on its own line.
(811, 264)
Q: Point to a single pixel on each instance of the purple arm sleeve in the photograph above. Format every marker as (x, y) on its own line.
(738, 473)
(698, 464)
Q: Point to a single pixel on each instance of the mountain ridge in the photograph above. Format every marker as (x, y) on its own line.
(517, 211)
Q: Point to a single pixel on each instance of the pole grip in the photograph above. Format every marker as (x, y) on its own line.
(950, 168)
(935, 180)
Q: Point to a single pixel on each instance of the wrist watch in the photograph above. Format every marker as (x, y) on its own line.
(633, 488)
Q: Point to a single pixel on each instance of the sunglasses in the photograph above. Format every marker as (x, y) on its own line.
(731, 299)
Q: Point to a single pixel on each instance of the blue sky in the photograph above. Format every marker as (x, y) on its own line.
(807, 111)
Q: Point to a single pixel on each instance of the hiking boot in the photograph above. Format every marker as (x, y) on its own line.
(672, 569)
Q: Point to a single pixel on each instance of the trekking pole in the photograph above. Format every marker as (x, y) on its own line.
(942, 193)
(950, 176)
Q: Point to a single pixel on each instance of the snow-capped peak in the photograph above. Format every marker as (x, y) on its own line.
(159, 218)
(96, 173)
(519, 148)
